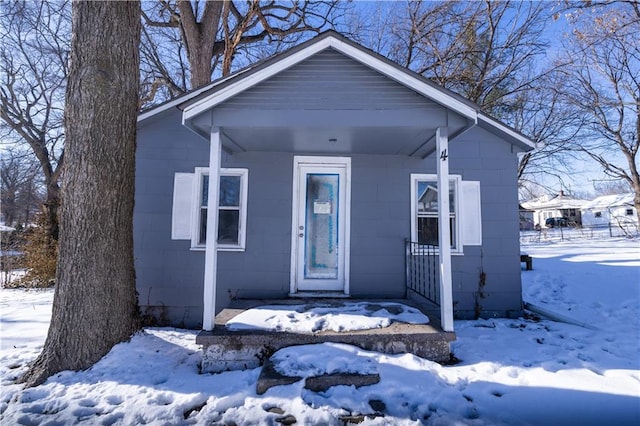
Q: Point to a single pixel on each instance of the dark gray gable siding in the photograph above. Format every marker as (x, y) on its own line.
(329, 80)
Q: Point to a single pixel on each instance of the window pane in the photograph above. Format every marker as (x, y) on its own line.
(203, 227)
(228, 226)
(322, 226)
(230, 191)
(428, 231)
(205, 190)
(427, 196)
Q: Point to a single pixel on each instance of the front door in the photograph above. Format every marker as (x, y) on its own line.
(320, 228)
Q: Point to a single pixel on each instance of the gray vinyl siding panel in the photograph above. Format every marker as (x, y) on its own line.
(325, 81)
(169, 275)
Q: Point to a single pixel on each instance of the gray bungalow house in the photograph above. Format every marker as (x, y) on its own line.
(305, 175)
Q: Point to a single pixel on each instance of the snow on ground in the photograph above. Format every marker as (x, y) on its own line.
(346, 316)
(520, 371)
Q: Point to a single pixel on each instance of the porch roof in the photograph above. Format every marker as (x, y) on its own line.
(339, 131)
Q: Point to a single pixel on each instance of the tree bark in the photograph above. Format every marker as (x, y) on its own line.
(200, 38)
(95, 304)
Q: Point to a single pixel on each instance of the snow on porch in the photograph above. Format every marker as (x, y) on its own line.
(247, 333)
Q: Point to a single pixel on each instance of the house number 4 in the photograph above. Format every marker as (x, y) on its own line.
(443, 155)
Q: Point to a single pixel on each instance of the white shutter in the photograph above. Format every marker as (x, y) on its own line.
(470, 213)
(182, 205)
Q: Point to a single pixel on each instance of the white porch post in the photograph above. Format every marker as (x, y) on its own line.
(211, 252)
(444, 238)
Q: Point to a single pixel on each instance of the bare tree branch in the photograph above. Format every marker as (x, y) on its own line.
(34, 56)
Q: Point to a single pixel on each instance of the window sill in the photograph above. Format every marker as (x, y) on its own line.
(203, 248)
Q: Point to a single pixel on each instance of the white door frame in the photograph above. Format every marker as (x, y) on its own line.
(342, 162)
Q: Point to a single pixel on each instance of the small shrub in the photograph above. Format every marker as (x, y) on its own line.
(40, 256)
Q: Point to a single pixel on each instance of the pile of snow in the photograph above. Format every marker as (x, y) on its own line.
(346, 316)
(513, 371)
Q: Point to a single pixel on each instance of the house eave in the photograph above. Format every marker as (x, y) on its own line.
(176, 102)
(509, 134)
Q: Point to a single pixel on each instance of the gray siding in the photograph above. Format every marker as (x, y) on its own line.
(479, 155)
(170, 275)
(324, 81)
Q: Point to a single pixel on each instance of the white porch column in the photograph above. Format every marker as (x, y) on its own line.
(211, 252)
(444, 238)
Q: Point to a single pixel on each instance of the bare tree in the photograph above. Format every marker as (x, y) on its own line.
(19, 195)
(550, 122)
(482, 50)
(33, 70)
(492, 53)
(211, 37)
(604, 85)
(95, 304)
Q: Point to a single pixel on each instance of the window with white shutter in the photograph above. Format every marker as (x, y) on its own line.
(190, 208)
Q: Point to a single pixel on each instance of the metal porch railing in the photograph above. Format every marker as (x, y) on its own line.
(421, 270)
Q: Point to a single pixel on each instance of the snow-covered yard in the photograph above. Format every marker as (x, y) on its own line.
(519, 371)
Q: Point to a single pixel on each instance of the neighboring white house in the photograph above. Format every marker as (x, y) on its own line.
(526, 219)
(614, 210)
(560, 205)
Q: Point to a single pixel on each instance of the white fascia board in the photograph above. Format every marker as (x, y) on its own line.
(175, 102)
(185, 98)
(525, 141)
(251, 80)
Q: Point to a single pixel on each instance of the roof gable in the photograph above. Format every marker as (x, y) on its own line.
(200, 100)
(328, 80)
(327, 40)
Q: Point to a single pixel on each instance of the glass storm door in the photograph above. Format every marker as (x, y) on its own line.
(320, 228)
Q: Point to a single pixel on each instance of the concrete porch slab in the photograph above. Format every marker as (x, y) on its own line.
(234, 350)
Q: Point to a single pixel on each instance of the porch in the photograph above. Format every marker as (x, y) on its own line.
(224, 349)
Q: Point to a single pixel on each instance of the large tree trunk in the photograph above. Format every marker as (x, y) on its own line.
(95, 304)
(200, 38)
(50, 207)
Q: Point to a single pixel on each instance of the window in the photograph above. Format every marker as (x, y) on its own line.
(598, 214)
(232, 209)
(424, 221)
(629, 212)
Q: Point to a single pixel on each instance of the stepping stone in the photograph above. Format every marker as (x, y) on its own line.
(377, 405)
(269, 378)
(326, 381)
(287, 420)
(352, 419)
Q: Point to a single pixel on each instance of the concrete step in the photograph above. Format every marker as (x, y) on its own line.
(236, 350)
